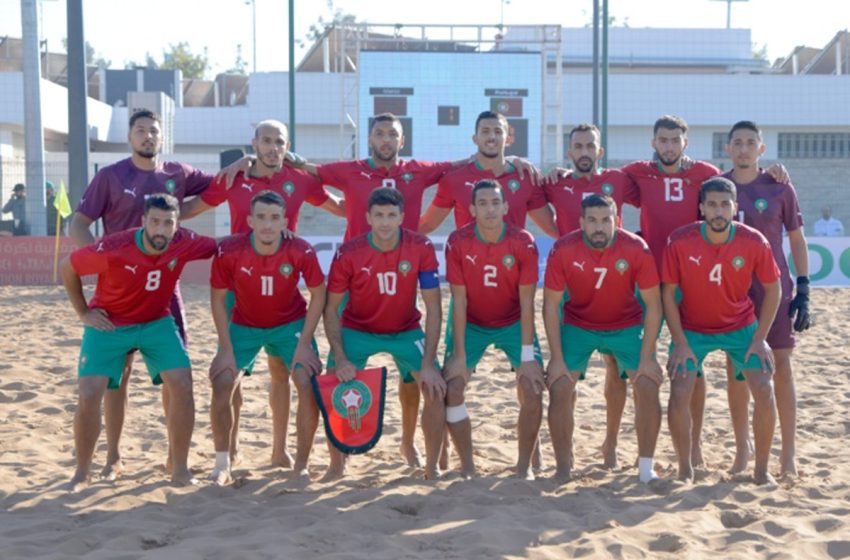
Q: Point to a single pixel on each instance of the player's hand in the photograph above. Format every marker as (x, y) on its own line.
(678, 361)
(287, 233)
(345, 371)
(532, 371)
(306, 358)
(242, 165)
(98, 319)
(800, 307)
(686, 163)
(431, 383)
(223, 363)
(779, 173)
(651, 369)
(556, 370)
(523, 167)
(556, 174)
(760, 348)
(294, 160)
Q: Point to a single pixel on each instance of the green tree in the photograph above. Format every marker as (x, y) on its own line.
(239, 66)
(92, 57)
(179, 57)
(335, 17)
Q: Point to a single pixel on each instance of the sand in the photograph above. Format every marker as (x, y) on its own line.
(384, 509)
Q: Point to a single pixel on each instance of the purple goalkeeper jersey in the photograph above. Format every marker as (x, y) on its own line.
(770, 206)
(117, 193)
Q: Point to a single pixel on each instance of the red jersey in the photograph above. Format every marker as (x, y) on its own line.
(667, 201)
(715, 278)
(357, 179)
(491, 272)
(566, 195)
(265, 286)
(133, 286)
(455, 191)
(601, 283)
(294, 185)
(382, 286)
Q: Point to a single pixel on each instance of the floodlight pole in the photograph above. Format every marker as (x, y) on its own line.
(33, 132)
(78, 133)
(292, 74)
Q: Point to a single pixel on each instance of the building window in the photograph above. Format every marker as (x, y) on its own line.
(718, 141)
(814, 145)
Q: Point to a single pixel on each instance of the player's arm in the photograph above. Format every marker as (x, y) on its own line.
(545, 220)
(304, 354)
(242, 165)
(557, 367)
(525, 167)
(652, 316)
(529, 368)
(430, 380)
(779, 173)
(224, 361)
(681, 352)
(335, 205)
(79, 229)
(432, 218)
(96, 318)
(344, 369)
(456, 364)
(193, 207)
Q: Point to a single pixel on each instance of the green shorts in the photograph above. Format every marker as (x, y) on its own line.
(734, 343)
(279, 342)
(406, 348)
(507, 339)
(103, 352)
(624, 344)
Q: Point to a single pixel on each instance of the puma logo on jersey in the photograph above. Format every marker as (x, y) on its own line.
(571, 189)
(246, 270)
(366, 269)
(131, 192)
(99, 248)
(220, 250)
(248, 186)
(696, 259)
(308, 251)
(471, 258)
(579, 265)
(131, 268)
(367, 175)
(469, 184)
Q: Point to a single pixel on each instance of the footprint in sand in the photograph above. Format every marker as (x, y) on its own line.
(736, 519)
(667, 542)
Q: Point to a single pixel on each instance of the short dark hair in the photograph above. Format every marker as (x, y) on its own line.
(487, 184)
(268, 197)
(717, 184)
(598, 201)
(744, 125)
(162, 201)
(19, 187)
(490, 115)
(585, 127)
(670, 122)
(144, 114)
(385, 117)
(386, 196)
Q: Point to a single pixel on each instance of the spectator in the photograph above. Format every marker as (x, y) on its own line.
(17, 205)
(828, 226)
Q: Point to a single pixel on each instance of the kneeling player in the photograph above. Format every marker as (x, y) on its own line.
(599, 266)
(713, 262)
(262, 269)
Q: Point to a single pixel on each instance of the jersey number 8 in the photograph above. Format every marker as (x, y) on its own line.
(154, 277)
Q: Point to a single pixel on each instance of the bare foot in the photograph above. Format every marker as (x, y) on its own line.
(221, 477)
(561, 476)
(696, 455)
(443, 463)
(282, 458)
(183, 477)
(79, 483)
(686, 475)
(432, 474)
(235, 459)
(739, 465)
(467, 475)
(411, 455)
(609, 455)
(112, 470)
(333, 473)
(526, 473)
(789, 469)
(764, 478)
(537, 458)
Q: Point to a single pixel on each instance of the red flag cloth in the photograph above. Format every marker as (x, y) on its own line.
(353, 411)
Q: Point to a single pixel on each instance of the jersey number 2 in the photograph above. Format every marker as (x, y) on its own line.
(490, 276)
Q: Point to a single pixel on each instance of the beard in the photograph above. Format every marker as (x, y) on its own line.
(146, 153)
(599, 240)
(158, 242)
(719, 224)
(584, 164)
(391, 155)
(667, 161)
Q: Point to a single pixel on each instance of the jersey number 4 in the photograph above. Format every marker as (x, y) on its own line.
(716, 274)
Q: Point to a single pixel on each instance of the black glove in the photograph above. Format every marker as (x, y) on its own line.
(800, 305)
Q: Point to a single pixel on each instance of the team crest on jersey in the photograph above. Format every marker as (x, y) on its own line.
(172, 264)
(170, 186)
(407, 177)
(509, 261)
(621, 265)
(513, 184)
(404, 267)
(608, 189)
(352, 399)
(761, 205)
(289, 188)
(738, 263)
(286, 269)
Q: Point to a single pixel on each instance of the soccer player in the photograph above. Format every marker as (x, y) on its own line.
(380, 270)
(600, 266)
(137, 270)
(492, 269)
(771, 206)
(117, 196)
(262, 269)
(454, 191)
(713, 263)
(566, 196)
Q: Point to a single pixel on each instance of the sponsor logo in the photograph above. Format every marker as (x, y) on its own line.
(131, 268)
(695, 259)
(246, 270)
(471, 258)
(579, 265)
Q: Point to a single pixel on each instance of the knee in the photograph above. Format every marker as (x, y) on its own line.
(562, 392)
(278, 373)
(455, 391)
(178, 383)
(680, 394)
(302, 381)
(528, 396)
(90, 394)
(646, 389)
(222, 390)
(762, 389)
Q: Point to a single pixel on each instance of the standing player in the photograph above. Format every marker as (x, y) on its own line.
(600, 266)
(262, 270)
(713, 262)
(492, 269)
(137, 271)
(566, 196)
(117, 196)
(455, 189)
(771, 206)
(380, 271)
